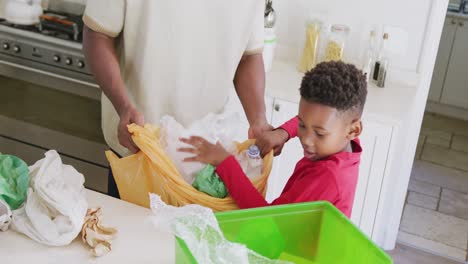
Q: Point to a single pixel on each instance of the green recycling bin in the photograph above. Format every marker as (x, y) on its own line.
(305, 233)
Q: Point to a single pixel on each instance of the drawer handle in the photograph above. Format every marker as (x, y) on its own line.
(454, 22)
(277, 107)
(461, 24)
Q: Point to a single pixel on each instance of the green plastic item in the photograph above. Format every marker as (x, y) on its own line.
(14, 180)
(208, 181)
(312, 233)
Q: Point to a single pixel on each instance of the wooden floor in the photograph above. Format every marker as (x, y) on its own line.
(407, 255)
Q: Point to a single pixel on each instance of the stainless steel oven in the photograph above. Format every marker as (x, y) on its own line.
(48, 97)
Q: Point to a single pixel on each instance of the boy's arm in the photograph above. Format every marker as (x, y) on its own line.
(275, 140)
(319, 187)
(291, 127)
(238, 184)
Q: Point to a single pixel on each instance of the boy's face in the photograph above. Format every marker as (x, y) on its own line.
(324, 131)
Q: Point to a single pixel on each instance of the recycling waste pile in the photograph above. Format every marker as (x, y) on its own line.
(46, 201)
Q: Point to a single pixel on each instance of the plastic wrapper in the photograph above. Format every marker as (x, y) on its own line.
(223, 128)
(56, 205)
(14, 180)
(198, 227)
(208, 181)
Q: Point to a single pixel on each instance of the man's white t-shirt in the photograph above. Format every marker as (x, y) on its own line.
(176, 57)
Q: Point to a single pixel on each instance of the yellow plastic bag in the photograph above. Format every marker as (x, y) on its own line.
(152, 171)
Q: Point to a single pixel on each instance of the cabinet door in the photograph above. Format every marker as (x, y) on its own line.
(375, 141)
(442, 60)
(455, 90)
(283, 165)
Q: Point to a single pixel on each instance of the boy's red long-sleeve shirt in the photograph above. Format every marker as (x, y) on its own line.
(331, 179)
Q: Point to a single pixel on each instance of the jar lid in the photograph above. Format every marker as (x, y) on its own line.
(340, 28)
(314, 21)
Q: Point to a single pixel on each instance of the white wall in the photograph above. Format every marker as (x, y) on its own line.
(359, 15)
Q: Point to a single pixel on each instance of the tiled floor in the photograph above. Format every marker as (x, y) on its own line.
(435, 217)
(408, 255)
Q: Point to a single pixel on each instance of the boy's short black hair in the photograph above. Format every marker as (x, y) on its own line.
(336, 84)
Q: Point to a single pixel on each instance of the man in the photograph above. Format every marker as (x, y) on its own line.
(176, 57)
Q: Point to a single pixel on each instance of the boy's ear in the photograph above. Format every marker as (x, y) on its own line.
(355, 129)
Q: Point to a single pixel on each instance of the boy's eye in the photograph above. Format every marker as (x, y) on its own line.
(318, 134)
(301, 125)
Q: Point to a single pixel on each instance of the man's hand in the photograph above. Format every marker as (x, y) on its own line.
(272, 140)
(258, 128)
(128, 116)
(204, 151)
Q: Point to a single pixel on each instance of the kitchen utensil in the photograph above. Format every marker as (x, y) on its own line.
(270, 15)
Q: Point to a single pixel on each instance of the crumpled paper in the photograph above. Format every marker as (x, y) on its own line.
(5, 216)
(97, 236)
(198, 227)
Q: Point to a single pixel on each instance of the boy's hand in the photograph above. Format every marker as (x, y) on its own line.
(272, 140)
(204, 151)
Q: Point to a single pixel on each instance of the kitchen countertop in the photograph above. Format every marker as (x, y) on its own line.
(137, 240)
(389, 104)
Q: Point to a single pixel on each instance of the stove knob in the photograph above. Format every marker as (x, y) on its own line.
(16, 49)
(6, 46)
(81, 64)
(56, 58)
(68, 61)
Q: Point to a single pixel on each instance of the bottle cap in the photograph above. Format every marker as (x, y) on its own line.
(253, 152)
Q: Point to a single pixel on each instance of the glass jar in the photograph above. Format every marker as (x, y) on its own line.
(334, 45)
(309, 55)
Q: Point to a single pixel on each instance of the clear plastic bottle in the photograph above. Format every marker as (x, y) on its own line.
(251, 162)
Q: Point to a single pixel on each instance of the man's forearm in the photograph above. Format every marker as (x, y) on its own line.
(101, 57)
(250, 87)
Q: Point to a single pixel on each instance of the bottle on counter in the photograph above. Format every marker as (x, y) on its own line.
(369, 56)
(382, 72)
(269, 46)
(380, 56)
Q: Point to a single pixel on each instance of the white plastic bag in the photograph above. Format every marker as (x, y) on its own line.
(56, 205)
(198, 227)
(224, 128)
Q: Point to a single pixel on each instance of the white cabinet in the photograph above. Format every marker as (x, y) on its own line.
(376, 140)
(455, 90)
(442, 60)
(283, 165)
(450, 78)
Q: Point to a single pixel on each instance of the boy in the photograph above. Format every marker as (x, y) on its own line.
(328, 125)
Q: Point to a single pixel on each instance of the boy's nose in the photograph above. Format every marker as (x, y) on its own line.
(308, 142)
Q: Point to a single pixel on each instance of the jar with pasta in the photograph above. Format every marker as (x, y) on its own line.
(334, 46)
(309, 54)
